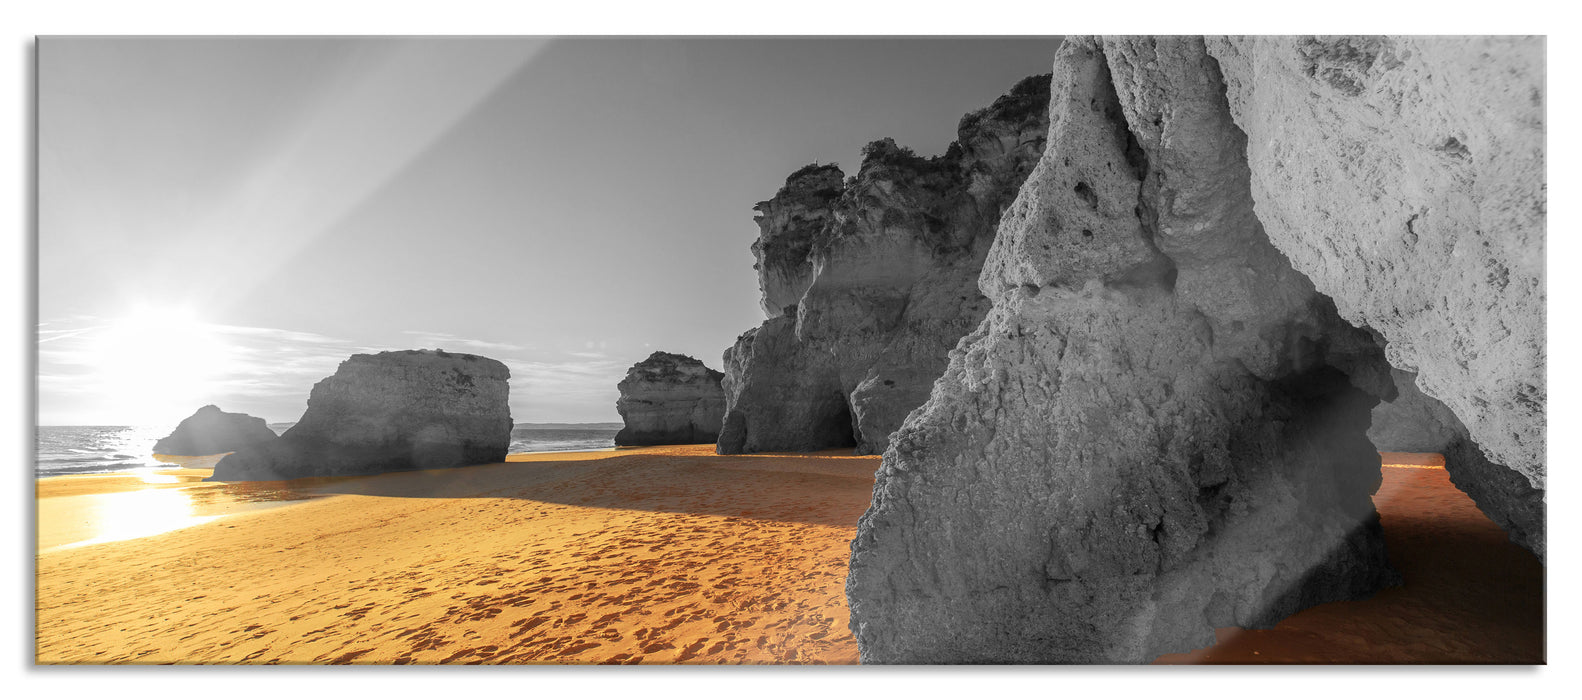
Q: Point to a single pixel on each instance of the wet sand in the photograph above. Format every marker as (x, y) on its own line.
(1470, 596)
(650, 555)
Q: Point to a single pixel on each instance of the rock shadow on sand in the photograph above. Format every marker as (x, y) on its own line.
(812, 488)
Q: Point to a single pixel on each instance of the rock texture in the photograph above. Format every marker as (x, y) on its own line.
(869, 281)
(670, 399)
(1160, 426)
(211, 431)
(392, 411)
(1405, 177)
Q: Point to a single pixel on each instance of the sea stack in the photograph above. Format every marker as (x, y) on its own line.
(391, 411)
(868, 282)
(1198, 298)
(670, 399)
(211, 431)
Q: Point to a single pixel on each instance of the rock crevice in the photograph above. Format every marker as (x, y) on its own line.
(1158, 429)
(1161, 425)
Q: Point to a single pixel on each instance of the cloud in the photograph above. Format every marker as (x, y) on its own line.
(47, 336)
(98, 372)
(435, 339)
(277, 335)
(568, 378)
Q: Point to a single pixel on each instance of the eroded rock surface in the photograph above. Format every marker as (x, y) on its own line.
(211, 431)
(868, 282)
(790, 225)
(670, 399)
(391, 411)
(1405, 177)
(1160, 426)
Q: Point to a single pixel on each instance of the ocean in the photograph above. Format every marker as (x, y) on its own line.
(103, 449)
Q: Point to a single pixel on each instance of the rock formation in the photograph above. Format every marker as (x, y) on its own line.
(392, 411)
(211, 431)
(868, 282)
(1405, 177)
(1160, 427)
(670, 399)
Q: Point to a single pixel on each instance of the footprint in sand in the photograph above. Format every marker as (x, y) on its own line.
(350, 656)
(581, 648)
(691, 650)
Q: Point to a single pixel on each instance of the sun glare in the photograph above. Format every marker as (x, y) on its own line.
(159, 363)
(130, 515)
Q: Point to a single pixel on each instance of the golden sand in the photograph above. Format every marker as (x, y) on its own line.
(650, 555)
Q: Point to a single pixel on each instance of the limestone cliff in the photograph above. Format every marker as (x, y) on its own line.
(790, 225)
(211, 431)
(1161, 426)
(670, 399)
(391, 411)
(868, 282)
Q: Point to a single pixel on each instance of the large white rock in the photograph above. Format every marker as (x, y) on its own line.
(391, 411)
(1161, 425)
(670, 399)
(1405, 177)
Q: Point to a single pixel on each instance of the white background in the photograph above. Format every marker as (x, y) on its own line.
(25, 19)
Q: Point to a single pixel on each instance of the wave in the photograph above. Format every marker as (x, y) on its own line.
(98, 468)
(78, 449)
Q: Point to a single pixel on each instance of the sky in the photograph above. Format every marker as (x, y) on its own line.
(225, 220)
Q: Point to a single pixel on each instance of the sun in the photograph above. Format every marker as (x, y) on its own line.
(158, 364)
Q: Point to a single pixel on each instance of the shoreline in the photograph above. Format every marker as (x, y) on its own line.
(173, 462)
(637, 555)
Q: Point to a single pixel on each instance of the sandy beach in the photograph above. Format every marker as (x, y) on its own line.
(652, 555)
(646, 555)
